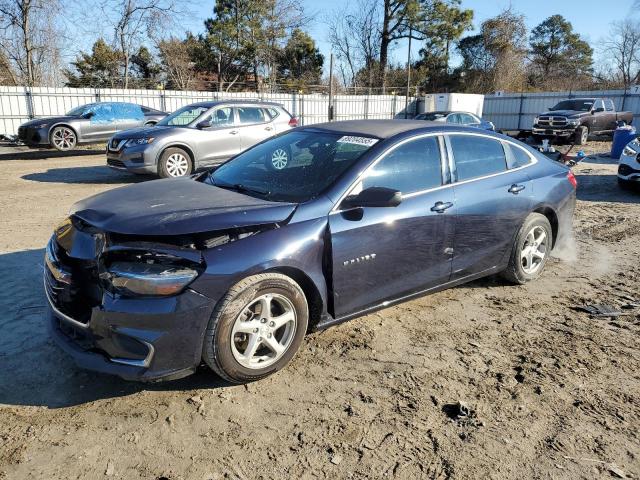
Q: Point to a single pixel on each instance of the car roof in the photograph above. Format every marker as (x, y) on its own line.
(235, 102)
(373, 128)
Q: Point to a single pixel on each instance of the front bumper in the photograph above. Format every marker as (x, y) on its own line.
(554, 132)
(629, 170)
(143, 339)
(136, 159)
(34, 137)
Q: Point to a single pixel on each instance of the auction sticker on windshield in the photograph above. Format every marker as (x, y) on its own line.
(365, 141)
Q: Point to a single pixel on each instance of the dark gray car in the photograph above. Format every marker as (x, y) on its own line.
(94, 122)
(198, 135)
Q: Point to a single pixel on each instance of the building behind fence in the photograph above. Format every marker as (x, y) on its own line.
(20, 104)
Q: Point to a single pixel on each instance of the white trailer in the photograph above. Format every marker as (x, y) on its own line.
(455, 102)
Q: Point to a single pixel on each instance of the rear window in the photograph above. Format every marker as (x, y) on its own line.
(273, 113)
(476, 156)
(248, 115)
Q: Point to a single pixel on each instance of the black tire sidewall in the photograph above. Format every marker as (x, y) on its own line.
(217, 349)
(579, 133)
(162, 163)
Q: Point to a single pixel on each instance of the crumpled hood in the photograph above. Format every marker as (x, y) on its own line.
(48, 120)
(177, 207)
(566, 113)
(143, 132)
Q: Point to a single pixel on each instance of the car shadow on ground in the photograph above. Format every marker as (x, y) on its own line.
(605, 188)
(35, 372)
(23, 153)
(86, 175)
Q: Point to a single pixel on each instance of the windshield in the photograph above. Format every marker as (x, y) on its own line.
(183, 116)
(294, 167)
(432, 116)
(76, 112)
(575, 105)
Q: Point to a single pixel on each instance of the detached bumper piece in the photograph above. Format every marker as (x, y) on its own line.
(143, 339)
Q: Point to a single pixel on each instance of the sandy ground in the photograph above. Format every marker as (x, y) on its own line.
(551, 392)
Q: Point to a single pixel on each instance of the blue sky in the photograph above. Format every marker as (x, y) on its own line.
(591, 18)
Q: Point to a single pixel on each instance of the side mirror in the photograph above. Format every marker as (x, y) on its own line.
(599, 109)
(203, 124)
(373, 197)
(88, 115)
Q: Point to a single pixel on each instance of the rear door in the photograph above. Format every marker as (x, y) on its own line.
(381, 254)
(254, 124)
(492, 197)
(221, 140)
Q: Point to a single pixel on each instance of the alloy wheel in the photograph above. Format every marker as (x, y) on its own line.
(534, 250)
(63, 138)
(279, 159)
(177, 165)
(263, 331)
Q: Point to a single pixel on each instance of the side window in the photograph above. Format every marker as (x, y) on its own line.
(453, 118)
(516, 157)
(468, 119)
(608, 105)
(411, 167)
(476, 156)
(272, 112)
(249, 115)
(222, 117)
(598, 104)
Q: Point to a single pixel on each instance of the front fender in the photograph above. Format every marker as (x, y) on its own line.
(299, 246)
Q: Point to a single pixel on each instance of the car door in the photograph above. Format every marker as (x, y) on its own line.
(492, 195)
(254, 124)
(611, 117)
(598, 118)
(101, 124)
(380, 254)
(221, 139)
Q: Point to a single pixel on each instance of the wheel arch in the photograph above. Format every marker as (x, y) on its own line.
(311, 291)
(182, 146)
(552, 216)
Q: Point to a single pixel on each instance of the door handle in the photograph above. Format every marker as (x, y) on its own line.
(233, 132)
(269, 128)
(515, 189)
(440, 207)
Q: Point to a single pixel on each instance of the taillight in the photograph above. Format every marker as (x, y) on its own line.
(293, 122)
(572, 179)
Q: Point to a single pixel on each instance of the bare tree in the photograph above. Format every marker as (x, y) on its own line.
(354, 35)
(31, 39)
(133, 20)
(622, 48)
(176, 60)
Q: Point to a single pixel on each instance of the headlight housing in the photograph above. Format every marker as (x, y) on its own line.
(629, 152)
(42, 125)
(147, 274)
(573, 123)
(140, 141)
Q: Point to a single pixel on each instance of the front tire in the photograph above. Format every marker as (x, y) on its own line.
(581, 135)
(530, 251)
(256, 329)
(63, 138)
(174, 163)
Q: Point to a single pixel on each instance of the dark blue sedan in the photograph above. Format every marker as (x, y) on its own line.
(233, 266)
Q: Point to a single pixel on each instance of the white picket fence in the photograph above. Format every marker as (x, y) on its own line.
(515, 111)
(20, 104)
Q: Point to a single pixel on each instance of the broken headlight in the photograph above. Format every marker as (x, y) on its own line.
(148, 274)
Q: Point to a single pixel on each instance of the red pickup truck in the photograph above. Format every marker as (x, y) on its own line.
(577, 118)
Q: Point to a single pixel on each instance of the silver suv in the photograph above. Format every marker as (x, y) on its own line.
(199, 135)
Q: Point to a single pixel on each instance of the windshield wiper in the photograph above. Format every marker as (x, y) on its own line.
(242, 188)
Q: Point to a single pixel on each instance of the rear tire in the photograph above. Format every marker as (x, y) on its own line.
(174, 163)
(530, 251)
(581, 135)
(242, 335)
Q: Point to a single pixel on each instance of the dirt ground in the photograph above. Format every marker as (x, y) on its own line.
(548, 392)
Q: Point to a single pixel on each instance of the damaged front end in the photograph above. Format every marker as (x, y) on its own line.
(123, 304)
